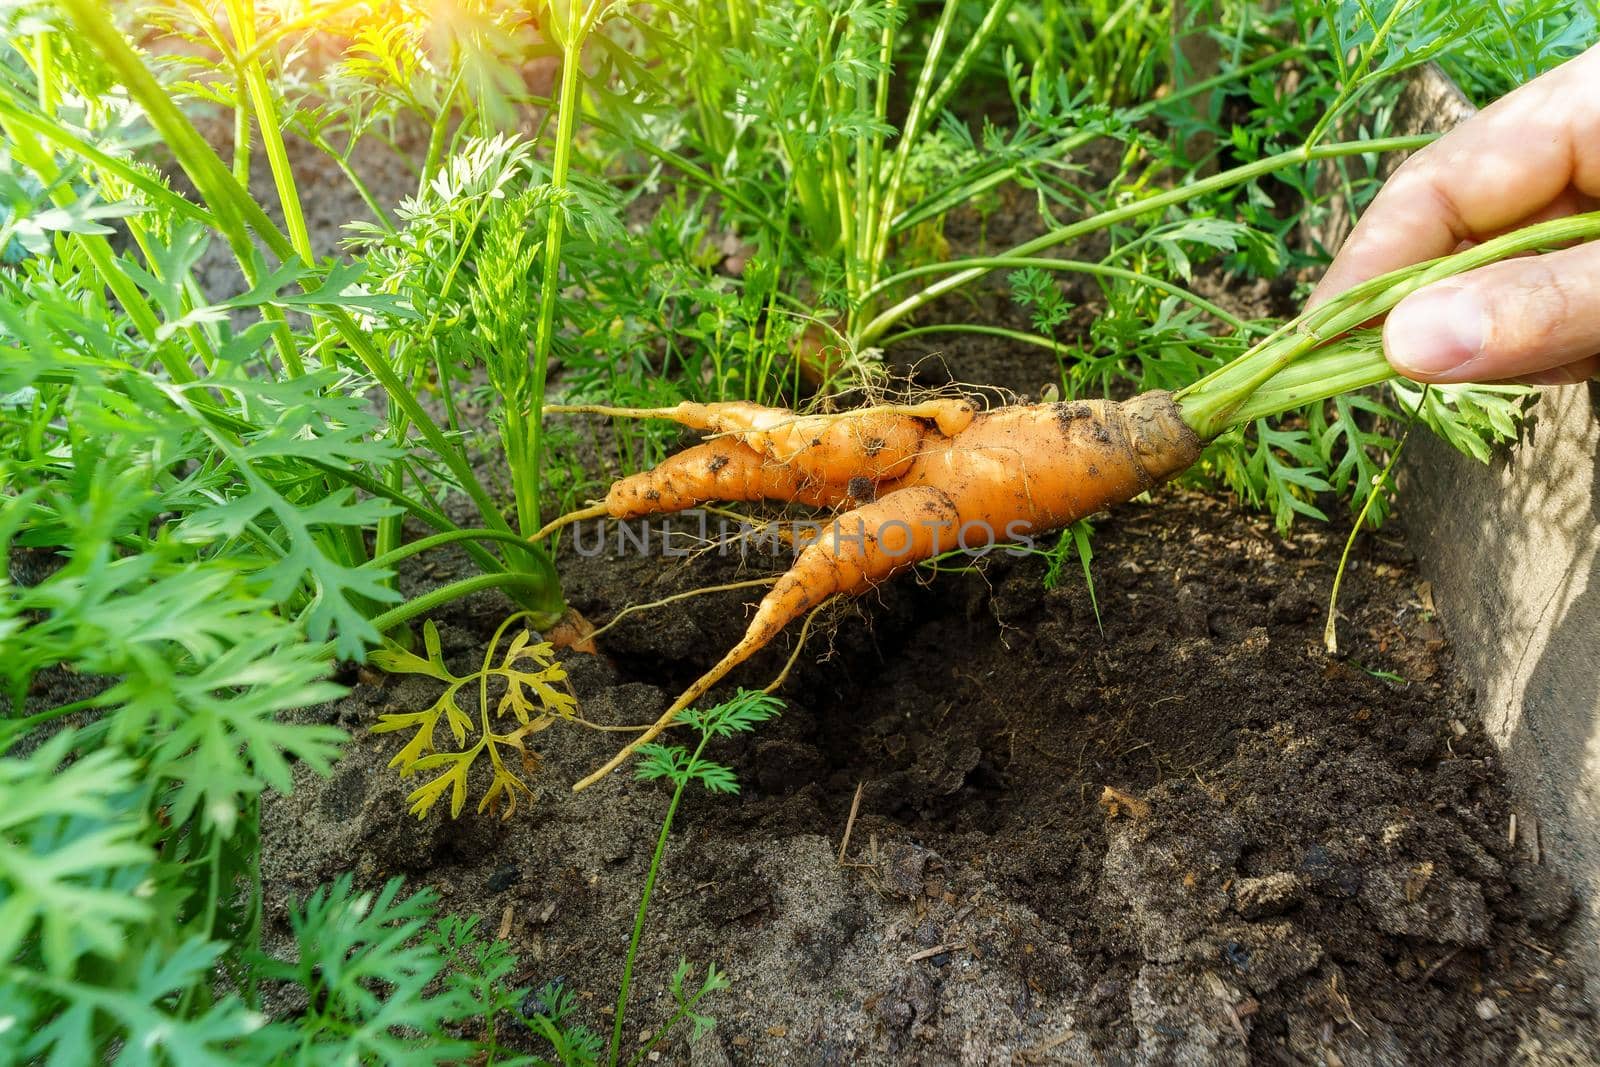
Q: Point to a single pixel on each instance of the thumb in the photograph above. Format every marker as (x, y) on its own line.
(1536, 318)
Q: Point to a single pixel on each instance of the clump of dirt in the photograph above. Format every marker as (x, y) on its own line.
(1308, 861)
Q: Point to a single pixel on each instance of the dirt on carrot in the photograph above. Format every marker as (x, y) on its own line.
(924, 479)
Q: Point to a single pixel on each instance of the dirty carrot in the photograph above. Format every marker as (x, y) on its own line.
(918, 480)
(1003, 475)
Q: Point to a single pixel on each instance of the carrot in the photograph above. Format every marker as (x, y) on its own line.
(995, 476)
(767, 453)
(721, 469)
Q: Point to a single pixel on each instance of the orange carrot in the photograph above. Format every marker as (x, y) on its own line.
(721, 469)
(767, 453)
(997, 476)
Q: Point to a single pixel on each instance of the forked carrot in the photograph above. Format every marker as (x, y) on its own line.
(923, 479)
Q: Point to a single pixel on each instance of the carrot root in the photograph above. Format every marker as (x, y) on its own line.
(861, 548)
(593, 511)
(1008, 474)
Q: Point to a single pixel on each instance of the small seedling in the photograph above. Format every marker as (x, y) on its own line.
(1385, 676)
(681, 766)
(532, 698)
(1075, 539)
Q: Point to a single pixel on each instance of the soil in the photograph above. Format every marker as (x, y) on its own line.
(1306, 858)
(1309, 862)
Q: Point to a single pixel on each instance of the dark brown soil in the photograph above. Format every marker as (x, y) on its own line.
(1314, 868)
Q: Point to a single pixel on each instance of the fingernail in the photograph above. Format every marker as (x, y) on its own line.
(1435, 331)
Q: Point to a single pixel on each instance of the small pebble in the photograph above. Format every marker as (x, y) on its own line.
(1487, 1009)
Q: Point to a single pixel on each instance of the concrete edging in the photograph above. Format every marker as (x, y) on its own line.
(1512, 550)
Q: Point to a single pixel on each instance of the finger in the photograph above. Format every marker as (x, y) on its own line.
(1506, 320)
(1512, 160)
(1569, 202)
(1572, 374)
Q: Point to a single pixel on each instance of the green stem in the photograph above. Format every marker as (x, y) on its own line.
(441, 124)
(96, 248)
(341, 160)
(943, 201)
(45, 72)
(242, 131)
(1330, 629)
(869, 156)
(1019, 336)
(1312, 358)
(642, 1053)
(235, 213)
(1101, 270)
(243, 15)
(644, 906)
(448, 537)
(63, 137)
(436, 598)
(680, 163)
(913, 127)
(17, 728)
(578, 24)
(1352, 84)
(1128, 212)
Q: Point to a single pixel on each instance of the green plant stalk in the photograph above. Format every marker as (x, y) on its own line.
(1342, 366)
(320, 13)
(869, 153)
(642, 1053)
(1100, 270)
(389, 529)
(1315, 357)
(95, 246)
(1351, 83)
(997, 12)
(1330, 629)
(242, 133)
(44, 72)
(644, 905)
(839, 175)
(678, 162)
(434, 599)
(446, 537)
(237, 215)
(1020, 336)
(197, 336)
(380, 214)
(441, 123)
(913, 125)
(98, 251)
(234, 212)
(527, 471)
(1104, 220)
(243, 15)
(945, 200)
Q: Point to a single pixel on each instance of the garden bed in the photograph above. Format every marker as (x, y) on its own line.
(1310, 861)
(1322, 870)
(1011, 812)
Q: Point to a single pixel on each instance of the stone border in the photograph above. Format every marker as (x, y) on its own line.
(1512, 551)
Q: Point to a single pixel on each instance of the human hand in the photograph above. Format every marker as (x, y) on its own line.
(1531, 156)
